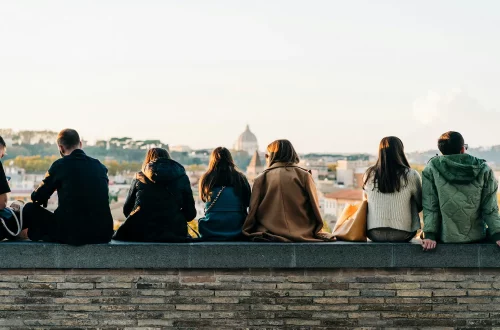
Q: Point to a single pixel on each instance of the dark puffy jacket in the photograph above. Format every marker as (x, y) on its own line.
(83, 215)
(159, 204)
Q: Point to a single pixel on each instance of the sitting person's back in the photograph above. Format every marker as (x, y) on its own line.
(284, 205)
(160, 202)
(394, 194)
(226, 194)
(459, 196)
(83, 215)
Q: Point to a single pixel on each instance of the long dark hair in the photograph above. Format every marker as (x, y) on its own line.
(391, 166)
(221, 172)
(153, 154)
(282, 151)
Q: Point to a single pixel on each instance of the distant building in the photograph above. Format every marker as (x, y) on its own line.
(181, 148)
(318, 167)
(350, 172)
(255, 167)
(247, 141)
(335, 202)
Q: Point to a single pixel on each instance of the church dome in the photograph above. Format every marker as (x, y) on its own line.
(247, 141)
(247, 136)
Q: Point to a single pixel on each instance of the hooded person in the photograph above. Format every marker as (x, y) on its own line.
(459, 196)
(160, 202)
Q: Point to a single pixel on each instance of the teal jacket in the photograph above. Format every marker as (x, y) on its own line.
(459, 200)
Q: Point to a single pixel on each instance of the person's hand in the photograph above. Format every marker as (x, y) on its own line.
(498, 243)
(428, 244)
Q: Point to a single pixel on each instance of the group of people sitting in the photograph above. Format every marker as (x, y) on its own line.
(458, 197)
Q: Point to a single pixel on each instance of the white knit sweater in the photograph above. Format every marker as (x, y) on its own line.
(398, 210)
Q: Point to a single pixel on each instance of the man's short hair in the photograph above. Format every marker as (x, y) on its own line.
(68, 138)
(451, 143)
(2, 142)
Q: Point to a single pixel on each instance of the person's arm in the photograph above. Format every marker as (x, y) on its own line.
(129, 204)
(4, 188)
(255, 200)
(489, 206)
(3, 201)
(188, 206)
(310, 187)
(417, 191)
(49, 184)
(432, 211)
(247, 193)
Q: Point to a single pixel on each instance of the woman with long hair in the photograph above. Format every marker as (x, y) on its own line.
(284, 205)
(226, 194)
(160, 202)
(394, 193)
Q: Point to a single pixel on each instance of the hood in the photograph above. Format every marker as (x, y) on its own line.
(461, 168)
(164, 170)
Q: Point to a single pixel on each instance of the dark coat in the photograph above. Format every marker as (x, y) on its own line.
(159, 204)
(83, 215)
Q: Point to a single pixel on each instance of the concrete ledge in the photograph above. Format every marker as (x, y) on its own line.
(240, 255)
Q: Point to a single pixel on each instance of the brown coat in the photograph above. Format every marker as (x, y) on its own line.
(284, 206)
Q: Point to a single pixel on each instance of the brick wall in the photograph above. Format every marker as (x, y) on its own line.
(249, 299)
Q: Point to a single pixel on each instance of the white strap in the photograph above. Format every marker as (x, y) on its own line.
(18, 221)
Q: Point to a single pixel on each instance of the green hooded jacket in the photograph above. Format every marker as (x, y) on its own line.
(459, 196)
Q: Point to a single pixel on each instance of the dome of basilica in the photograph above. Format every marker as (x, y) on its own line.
(247, 141)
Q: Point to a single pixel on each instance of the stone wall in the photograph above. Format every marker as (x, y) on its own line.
(249, 298)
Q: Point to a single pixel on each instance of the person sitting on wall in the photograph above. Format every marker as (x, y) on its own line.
(226, 192)
(284, 205)
(394, 193)
(459, 196)
(160, 202)
(83, 215)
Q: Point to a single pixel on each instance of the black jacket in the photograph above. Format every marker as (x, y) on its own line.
(83, 215)
(159, 204)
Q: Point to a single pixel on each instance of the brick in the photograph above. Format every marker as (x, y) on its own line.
(116, 285)
(331, 300)
(75, 286)
(449, 293)
(294, 286)
(330, 286)
(142, 323)
(240, 293)
(81, 308)
(415, 293)
(13, 278)
(193, 307)
(260, 307)
(9, 285)
(45, 278)
(141, 300)
(375, 279)
(305, 293)
(154, 293)
(378, 293)
(197, 293)
(83, 293)
(403, 286)
(329, 315)
(37, 286)
(302, 322)
(342, 293)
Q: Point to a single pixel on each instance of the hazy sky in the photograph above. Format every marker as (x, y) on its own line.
(328, 75)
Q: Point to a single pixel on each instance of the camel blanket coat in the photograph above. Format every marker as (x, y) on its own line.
(284, 206)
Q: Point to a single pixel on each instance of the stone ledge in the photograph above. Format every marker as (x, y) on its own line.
(241, 255)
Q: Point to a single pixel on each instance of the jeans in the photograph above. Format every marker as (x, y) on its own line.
(390, 235)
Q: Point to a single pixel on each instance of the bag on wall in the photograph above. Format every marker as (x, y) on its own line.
(351, 225)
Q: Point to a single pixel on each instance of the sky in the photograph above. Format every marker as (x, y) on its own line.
(330, 76)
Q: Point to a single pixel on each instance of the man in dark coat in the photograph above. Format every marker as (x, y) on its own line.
(83, 215)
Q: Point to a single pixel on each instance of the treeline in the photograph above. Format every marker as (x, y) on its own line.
(40, 164)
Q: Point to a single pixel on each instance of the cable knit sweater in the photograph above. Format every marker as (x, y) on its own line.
(398, 210)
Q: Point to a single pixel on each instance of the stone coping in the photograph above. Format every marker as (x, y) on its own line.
(241, 255)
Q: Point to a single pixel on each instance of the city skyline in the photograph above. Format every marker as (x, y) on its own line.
(330, 76)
